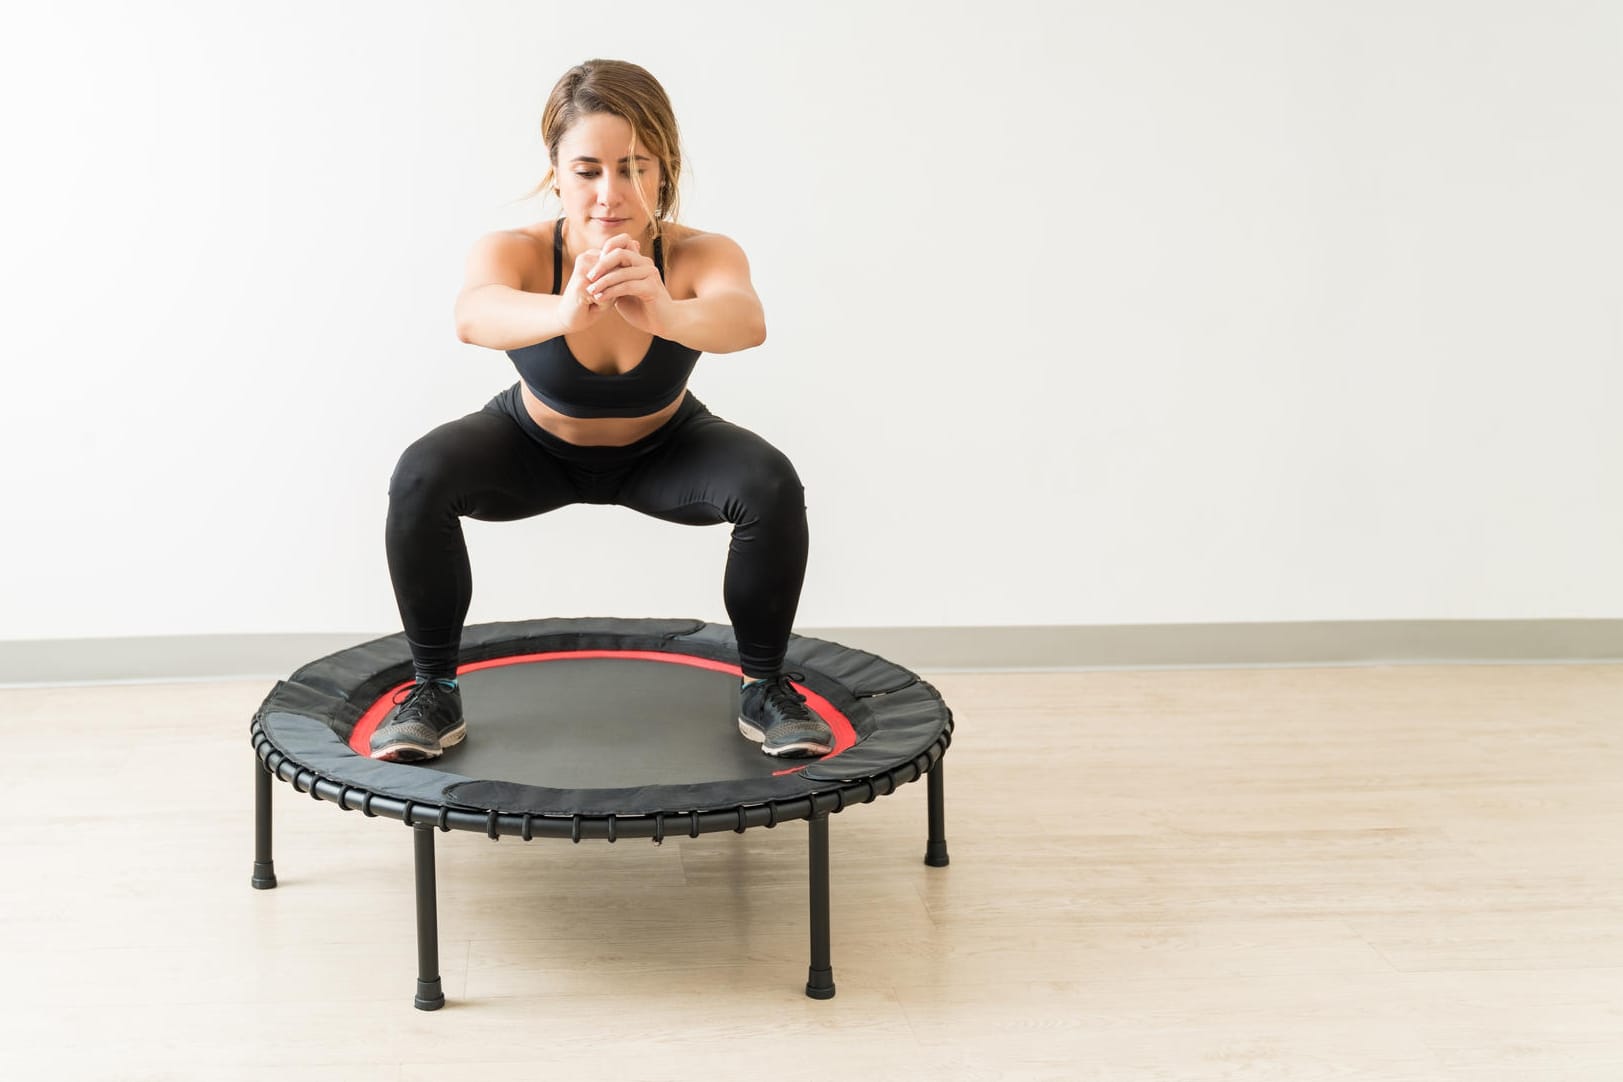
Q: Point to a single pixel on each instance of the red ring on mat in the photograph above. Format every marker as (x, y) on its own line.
(360, 738)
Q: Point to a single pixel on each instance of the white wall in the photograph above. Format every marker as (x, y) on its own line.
(1079, 314)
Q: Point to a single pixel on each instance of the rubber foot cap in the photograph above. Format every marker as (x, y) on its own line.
(820, 983)
(264, 875)
(429, 997)
(935, 854)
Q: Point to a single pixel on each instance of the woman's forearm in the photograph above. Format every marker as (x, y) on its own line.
(501, 317)
(722, 323)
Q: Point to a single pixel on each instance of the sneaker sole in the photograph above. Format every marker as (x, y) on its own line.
(416, 753)
(798, 750)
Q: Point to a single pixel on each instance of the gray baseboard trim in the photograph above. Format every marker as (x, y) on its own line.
(1261, 645)
(1065, 647)
(162, 658)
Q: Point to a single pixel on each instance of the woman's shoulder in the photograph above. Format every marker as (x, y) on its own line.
(518, 251)
(536, 237)
(686, 244)
(696, 258)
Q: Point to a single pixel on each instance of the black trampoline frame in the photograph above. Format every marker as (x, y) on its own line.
(388, 660)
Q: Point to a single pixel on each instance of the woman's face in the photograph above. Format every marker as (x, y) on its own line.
(595, 181)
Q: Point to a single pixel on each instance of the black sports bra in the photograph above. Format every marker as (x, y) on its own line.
(549, 369)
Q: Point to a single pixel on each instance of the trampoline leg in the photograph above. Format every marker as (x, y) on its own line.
(820, 975)
(935, 850)
(264, 869)
(429, 996)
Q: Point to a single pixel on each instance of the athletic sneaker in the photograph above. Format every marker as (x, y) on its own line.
(774, 715)
(428, 720)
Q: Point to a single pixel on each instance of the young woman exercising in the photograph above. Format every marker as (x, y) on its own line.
(604, 313)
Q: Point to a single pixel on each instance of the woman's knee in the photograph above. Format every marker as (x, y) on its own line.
(426, 472)
(771, 489)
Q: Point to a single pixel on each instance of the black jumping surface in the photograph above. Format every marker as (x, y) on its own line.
(591, 723)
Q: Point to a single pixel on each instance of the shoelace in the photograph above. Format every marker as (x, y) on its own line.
(409, 697)
(780, 690)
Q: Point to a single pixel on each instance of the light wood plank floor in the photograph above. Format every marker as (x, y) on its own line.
(1406, 874)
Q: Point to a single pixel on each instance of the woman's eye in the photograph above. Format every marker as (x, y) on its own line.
(585, 176)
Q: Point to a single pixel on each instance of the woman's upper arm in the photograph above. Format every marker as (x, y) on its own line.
(503, 258)
(721, 267)
(497, 259)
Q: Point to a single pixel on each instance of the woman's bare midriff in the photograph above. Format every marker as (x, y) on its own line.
(596, 431)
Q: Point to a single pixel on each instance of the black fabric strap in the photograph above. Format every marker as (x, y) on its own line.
(558, 256)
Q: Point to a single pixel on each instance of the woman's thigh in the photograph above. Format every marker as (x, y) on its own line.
(481, 466)
(712, 471)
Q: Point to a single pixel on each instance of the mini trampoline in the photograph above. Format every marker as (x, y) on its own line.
(600, 729)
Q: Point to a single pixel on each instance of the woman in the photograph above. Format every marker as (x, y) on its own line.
(604, 313)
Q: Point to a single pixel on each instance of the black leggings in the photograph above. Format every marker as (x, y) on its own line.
(498, 465)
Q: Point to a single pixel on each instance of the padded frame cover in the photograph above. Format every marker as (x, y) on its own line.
(309, 717)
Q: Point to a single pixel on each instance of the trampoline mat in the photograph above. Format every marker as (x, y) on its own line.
(547, 723)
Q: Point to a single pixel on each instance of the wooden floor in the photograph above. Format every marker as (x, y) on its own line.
(1406, 874)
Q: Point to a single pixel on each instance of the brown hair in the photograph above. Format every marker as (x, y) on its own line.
(621, 89)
